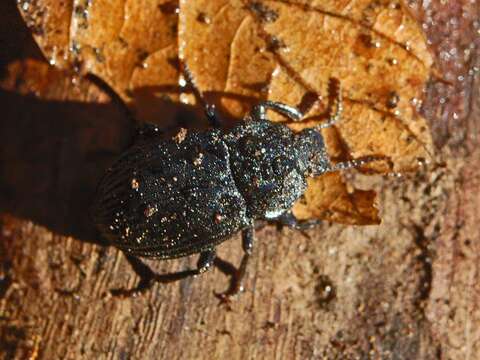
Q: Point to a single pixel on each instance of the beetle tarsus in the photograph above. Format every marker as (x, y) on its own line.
(288, 219)
(236, 278)
(337, 116)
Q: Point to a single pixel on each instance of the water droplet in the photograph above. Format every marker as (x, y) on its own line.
(203, 18)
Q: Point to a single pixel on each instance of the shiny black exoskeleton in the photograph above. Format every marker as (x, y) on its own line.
(168, 198)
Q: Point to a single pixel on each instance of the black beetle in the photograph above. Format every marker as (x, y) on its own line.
(169, 198)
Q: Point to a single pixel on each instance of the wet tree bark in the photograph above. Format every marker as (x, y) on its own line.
(406, 289)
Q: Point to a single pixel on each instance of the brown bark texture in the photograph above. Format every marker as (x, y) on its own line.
(404, 289)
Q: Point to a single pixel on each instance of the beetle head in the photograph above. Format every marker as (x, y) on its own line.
(314, 153)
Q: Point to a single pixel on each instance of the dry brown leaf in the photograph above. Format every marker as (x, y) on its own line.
(243, 51)
(335, 203)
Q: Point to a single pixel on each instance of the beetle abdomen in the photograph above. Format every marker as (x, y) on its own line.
(167, 199)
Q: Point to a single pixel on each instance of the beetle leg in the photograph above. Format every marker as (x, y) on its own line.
(146, 131)
(210, 111)
(337, 101)
(334, 118)
(248, 238)
(259, 111)
(212, 117)
(115, 98)
(148, 277)
(206, 260)
(288, 219)
(237, 275)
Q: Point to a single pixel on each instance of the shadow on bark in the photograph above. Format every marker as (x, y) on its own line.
(53, 155)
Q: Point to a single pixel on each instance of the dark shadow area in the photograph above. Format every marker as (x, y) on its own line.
(150, 101)
(54, 154)
(16, 41)
(52, 157)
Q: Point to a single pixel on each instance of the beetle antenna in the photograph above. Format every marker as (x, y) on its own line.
(355, 163)
(115, 98)
(350, 164)
(210, 110)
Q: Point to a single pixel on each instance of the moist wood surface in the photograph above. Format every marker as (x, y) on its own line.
(406, 289)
